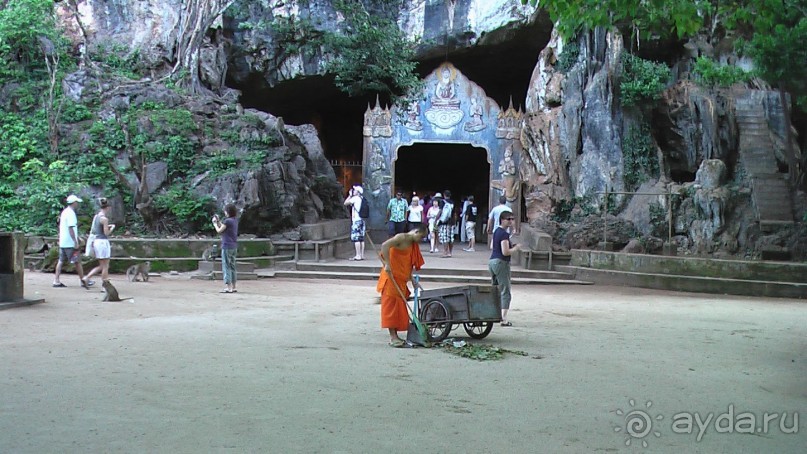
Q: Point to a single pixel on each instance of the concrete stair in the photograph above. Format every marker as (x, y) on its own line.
(212, 271)
(338, 270)
(771, 194)
(691, 274)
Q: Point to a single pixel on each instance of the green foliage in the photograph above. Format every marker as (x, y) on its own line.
(119, 59)
(713, 74)
(567, 58)
(679, 18)
(185, 205)
(367, 54)
(780, 57)
(27, 32)
(371, 54)
(658, 219)
(221, 163)
(74, 113)
(638, 156)
(642, 80)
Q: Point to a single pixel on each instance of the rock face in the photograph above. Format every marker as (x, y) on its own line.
(573, 125)
(462, 23)
(277, 176)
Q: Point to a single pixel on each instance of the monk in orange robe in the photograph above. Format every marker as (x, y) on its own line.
(400, 255)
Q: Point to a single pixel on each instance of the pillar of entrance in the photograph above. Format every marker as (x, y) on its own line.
(12, 271)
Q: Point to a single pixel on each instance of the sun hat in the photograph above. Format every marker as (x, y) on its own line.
(72, 198)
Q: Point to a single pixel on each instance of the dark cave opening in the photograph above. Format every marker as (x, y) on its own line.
(427, 168)
(502, 69)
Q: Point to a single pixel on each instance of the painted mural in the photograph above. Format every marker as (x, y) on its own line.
(451, 110)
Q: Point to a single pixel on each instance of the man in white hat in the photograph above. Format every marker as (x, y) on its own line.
(68, 242)
(358, 229)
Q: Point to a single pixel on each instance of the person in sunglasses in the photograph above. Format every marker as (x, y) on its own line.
(499, 264)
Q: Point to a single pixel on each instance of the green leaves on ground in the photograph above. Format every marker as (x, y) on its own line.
(479, 352)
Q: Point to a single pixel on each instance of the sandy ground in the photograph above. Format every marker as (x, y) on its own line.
(302, 366)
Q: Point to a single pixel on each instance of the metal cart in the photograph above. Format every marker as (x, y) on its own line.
(476, 307)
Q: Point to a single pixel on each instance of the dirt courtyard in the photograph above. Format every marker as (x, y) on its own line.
(302, 366)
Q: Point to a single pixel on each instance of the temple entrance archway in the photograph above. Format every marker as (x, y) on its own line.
(474, 146)
(427, 168)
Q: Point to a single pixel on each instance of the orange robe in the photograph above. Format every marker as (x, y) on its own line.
(393, 308)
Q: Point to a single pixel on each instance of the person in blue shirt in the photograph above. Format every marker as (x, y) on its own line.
(499, 264)
(228, 228)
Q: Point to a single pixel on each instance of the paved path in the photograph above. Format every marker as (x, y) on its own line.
(302, 366)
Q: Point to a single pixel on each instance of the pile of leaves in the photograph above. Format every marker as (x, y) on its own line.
(479, 352)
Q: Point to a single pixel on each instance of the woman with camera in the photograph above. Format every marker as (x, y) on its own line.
(228, 228)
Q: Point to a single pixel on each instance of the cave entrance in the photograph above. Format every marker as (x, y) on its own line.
(452, 137)
(427, 168)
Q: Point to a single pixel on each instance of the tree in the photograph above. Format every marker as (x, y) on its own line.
(196, 18)
(642, 18)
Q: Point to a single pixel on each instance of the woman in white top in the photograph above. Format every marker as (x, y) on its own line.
(431, 215)
(415, 218)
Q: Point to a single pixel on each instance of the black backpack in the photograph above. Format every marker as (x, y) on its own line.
(364, 210)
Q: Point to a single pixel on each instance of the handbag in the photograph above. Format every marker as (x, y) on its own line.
(88, 250)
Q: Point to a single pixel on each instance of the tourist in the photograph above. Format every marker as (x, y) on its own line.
(101, 228)
(228, 229)
(68, 242)
(415, 217)
(397, 209)
(499, 264)
(400, 255)
(471, 211)
(446, 225)
(355, 200)
(493, 217)
(431, 215)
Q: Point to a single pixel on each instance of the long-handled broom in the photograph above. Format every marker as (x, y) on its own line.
(413, 317)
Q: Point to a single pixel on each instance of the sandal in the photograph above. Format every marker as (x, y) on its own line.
(506, 324)
(59, 285)
(397, 343)
(226, 290)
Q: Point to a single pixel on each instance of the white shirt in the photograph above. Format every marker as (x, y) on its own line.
(67, 220)
(355, 202)
(496, 212)
(416, 213)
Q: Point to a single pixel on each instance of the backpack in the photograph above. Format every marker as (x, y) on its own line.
(364, 209)
(447, 214)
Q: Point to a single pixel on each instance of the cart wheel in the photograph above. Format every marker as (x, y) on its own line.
(434, 316)
(478, 330)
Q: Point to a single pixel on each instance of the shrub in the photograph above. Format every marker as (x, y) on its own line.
(711, 74)
(638, 156)
(642, 80)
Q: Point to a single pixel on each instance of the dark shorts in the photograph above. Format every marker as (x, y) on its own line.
(65, 253)
(396, 227)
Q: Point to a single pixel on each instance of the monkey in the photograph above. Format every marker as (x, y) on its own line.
(111, 293)
(141, 269)
(210, 254)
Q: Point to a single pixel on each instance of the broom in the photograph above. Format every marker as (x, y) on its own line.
(421, 330)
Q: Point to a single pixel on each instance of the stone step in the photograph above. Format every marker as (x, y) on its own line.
(375, 268)
(240, 267)
(463, 279)
(218, 276)
(696, 284)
